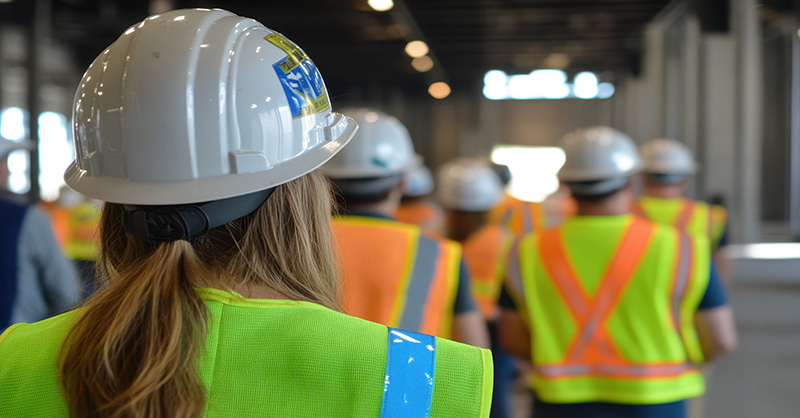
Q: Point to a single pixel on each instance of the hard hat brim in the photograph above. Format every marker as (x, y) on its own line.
(119, 190)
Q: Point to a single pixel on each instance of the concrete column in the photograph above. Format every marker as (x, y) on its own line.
(746, 25)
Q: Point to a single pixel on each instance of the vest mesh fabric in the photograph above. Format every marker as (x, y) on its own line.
(264, 358)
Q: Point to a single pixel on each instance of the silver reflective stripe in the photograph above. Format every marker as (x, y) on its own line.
(526, 218)
(681, 279)
(419, 286)
(634, 370)
(514, 272)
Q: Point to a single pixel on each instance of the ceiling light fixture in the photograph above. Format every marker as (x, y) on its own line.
(381, 5)
(416, 49)
(439, 90)
(422, 64)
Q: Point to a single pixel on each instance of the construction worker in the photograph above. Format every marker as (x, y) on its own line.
(221, 291)
(615, 312)
(36, 281)
(393, 273)
(668, 167)
(75, 221)
(468, 189)
(416, 207)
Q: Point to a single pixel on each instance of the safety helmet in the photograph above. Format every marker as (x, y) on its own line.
(469, 185)
(199, 105)
(598, 160)
(419, 182)
(381, 148)
(667, 157)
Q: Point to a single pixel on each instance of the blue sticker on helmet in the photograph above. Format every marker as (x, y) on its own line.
(300, 79)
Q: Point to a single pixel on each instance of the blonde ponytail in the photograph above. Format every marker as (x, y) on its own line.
(135, 351)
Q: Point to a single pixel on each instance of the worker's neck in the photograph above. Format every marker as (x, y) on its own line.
(386, 208)
(618, 204)
(664, 192)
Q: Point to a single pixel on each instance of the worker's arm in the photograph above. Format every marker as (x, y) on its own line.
(714, 320)
(717, 331)
(722, 260)
(513, 334)
(469, 327)
(724, 265)
(512, 331)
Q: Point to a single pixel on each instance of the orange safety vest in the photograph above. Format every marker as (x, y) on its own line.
(397, 275)
(518, 216)
(485, 253)
(421, 213)
(690, 216)
(650, 354)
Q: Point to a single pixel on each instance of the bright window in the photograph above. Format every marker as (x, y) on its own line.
(533, 170)
(544, 84)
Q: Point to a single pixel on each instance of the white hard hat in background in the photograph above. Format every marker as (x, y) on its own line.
(468, 185)
(601, 157)
(419, 182)
(381, 148)
(199, 105)
(598, 153)
(667, 156)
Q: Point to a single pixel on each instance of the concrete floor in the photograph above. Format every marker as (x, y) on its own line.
(762, 378)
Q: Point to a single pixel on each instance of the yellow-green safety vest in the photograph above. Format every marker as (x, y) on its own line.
(279, 358)
(691, 216)
(610, 301)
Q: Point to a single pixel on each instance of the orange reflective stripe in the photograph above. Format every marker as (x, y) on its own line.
(638, 210)
(554, 255)
(685, 215)
(593, 344)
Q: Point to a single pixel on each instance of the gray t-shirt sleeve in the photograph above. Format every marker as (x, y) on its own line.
(47, 282)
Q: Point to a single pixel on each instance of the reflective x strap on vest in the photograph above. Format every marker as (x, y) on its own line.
(410, 365)
(685, 215)
(638, 210)
(592, 351)
(513, 275)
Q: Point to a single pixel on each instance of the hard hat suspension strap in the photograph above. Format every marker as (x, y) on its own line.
(184, 222)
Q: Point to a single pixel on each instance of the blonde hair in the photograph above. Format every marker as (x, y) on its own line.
(135, 350)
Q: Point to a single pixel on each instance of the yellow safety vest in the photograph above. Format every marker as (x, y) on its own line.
(610, 302)
(691, 216)
(279, 358)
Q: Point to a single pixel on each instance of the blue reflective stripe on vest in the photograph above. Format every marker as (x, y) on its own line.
(408, 388)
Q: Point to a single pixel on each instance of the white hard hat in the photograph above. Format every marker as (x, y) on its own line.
(199, 105)
(469, 185)
(598, 160)
(381, 148)
(419, 182)
(598, 153)
(667, 156)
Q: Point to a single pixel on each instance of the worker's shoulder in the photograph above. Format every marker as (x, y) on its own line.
(664, 235)
(32, 345)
